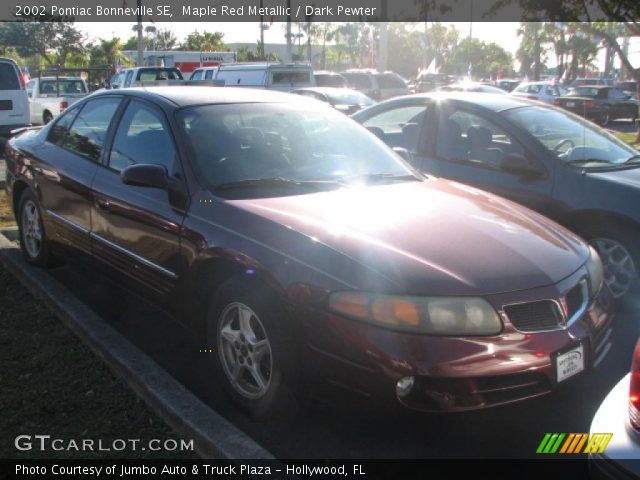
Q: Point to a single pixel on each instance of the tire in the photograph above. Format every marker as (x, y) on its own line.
(605, 119)
(614, 243)
(47, 117)
(255, 362)
(33, 239)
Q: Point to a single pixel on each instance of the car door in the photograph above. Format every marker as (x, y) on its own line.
(402, 125)
(65, 166)
(472, 147)
(136, 229)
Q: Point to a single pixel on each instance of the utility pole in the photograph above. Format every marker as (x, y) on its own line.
(288, 35)
(140, 39)
(261, 31)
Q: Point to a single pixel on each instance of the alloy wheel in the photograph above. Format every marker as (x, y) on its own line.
(245, 351)
(31, 228)
(619, 267)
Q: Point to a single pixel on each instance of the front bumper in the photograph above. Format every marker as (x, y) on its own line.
(453, 373)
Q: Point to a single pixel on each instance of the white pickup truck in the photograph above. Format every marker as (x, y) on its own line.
(48, 96)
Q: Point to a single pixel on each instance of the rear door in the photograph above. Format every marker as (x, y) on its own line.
(66, 165)
(14, 106)
(136, 230)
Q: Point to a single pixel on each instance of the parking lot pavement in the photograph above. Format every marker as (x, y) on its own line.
(335, 425)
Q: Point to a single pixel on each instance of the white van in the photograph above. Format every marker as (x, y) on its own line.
(14, 105)
(273, 76)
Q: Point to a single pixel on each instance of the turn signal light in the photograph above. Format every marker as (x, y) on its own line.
(634, 390)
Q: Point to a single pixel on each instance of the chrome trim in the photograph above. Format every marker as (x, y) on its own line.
(598, 360)
(67, 222)
(563, 323)
(137, 257)
(585, 302)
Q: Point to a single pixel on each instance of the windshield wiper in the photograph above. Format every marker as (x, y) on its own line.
(582, 161)
(274, 182)
(632, 160)
(382, 176)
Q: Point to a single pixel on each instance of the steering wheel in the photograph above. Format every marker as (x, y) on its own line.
(564, 141)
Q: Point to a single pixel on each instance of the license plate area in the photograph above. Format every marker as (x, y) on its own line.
(569, 363)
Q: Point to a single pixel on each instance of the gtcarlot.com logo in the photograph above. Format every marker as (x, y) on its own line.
(574, 443)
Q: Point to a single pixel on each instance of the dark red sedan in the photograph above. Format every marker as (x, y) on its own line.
(298, 246)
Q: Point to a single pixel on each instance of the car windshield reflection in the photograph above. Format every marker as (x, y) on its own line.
(573, 140)
(286, 148)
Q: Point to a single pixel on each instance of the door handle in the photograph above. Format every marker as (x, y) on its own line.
(103, 204)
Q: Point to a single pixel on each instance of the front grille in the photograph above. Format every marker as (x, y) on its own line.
(534, 316)
(575, 299)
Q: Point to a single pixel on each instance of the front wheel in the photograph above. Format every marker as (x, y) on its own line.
(254, 361)
(620, 253)
(33, 239)
(605, 119)
(47, 117)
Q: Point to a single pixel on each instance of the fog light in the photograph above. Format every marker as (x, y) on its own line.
(405, 386)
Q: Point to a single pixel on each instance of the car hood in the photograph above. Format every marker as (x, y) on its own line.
(436, 237)
(628, 176)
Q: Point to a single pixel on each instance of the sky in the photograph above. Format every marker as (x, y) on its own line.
(502, 33)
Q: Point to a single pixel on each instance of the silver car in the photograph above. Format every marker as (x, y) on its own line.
(541, 91)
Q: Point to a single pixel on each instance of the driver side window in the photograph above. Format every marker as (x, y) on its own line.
(399, 127)
(469, 138)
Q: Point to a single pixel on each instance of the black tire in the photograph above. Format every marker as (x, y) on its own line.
(627, 238)
(605, 118)
(47, 117)
(279, 399)
(39, 254)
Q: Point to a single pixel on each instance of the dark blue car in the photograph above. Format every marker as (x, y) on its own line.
(543, 157)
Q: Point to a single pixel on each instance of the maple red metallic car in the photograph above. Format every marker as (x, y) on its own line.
(300, 248)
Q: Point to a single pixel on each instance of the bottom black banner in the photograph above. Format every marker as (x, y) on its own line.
(564, 469)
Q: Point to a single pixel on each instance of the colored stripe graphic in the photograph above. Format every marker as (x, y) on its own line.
(573, 443)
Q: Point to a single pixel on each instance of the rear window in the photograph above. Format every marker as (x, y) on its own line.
(153, 74)
(8, 77)
(389, 81)
(289, 78)
(66, 87)
(359, 81)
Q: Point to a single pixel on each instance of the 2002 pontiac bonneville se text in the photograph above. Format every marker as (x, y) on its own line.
(302, 249)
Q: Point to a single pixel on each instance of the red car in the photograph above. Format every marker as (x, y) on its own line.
(300, 248)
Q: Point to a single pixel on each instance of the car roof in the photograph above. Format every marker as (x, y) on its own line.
(492, 101)
(182, 96)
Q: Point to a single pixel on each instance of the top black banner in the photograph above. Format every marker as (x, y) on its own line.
(319, 10)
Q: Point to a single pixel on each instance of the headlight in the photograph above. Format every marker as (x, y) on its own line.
(453, 316)
(595, 271)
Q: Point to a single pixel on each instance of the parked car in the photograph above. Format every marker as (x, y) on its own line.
(204, 73)
(426, 82)
(599, 103)
(116, 80)
(376, 85)
(542, 91)
(272, 76)
(299, 247)
(630, 87)
(139, 76)
(329, 79)
(580, 81)
(14, 105)
(343, 99)
(471, 87)
(48, 96)
(619, 415)
(540, 156)
(507, 84)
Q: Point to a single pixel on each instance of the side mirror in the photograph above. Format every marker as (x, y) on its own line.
(145, 175)
(519, 165)
(404, 154)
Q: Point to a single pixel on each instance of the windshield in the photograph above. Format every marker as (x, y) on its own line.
(570, 138)
(67, 87)
(153, 74)
(245, 142)
(584, 92)
(350, 97)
